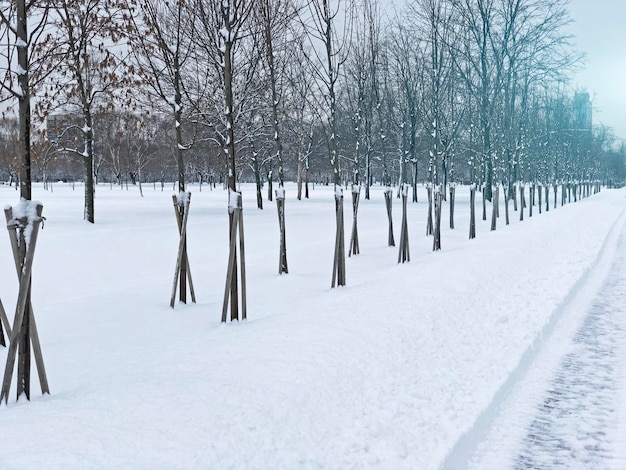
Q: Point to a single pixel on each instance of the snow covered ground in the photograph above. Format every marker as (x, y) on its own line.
(405, 367)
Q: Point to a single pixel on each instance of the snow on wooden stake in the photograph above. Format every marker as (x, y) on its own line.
(182, 272)
(234, 201)
(24, 216)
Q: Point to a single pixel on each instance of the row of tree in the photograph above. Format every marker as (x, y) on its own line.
(347, 92)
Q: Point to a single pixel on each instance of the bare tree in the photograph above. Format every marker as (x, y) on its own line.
(162, 48)
(273, 15)
(326, 56)
(85, 70)
(222, 26)
(23, 29)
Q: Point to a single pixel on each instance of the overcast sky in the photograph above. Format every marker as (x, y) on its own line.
(600, 30)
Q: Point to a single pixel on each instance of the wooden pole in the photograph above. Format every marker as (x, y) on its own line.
(339, 262)
(22, 332)
(231, 289)
(34, 335)
(388, 202)
(242, 264)
(282, 256)
(354, 238)
(183, 270)
(5, 322)
(231, 265)
(403, 253)
(181, 258)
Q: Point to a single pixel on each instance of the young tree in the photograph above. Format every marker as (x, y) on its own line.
(22, 25)
(222, 26)
(273, 16)
(161, 40)
(86, 70)
(320, 21)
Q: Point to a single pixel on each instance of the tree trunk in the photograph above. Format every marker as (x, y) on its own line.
(452, 195)
(437, 231)
(24, 102)
(472, 229)
(388, 202)
(429, 222)
(354, 238)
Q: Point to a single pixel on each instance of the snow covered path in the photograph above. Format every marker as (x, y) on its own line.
(577, 420)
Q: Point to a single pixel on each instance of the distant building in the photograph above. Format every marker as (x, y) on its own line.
(582, 111)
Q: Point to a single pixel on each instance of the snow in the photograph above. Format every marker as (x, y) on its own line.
(21, 43)
(171, 100)
(24, 216)
(233, 200)
(20, 70)
(182, 197)
(389, 372)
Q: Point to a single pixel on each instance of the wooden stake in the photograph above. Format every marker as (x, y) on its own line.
(231, 291)
(181, 259)
(242, 265)
(282, 254)
(24, 328)
(231, 267)
(388, 202)
(339, 261)
(5, 322)
(403, 253)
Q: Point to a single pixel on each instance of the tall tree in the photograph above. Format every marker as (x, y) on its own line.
(327, 56)
(86, 70)
(23, 29)
(162, 48)
(222, 26)
(273, 16)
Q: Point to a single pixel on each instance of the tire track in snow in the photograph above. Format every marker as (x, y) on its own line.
(576, 422)
(468, 447)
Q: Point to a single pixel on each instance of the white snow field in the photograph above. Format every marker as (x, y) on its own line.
(404, 368)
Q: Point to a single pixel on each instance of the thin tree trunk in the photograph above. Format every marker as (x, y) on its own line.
(388, 203)
(452, 196)
(472, 228)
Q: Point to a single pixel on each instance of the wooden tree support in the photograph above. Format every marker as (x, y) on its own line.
(522, 201)
(437, 232)
(280, 206)
(388, 202)
(452, 196)
(472, 228)
(403, 254)
(182, 273)
(231, 291)
(4, 324)
(495, 203)
(339, 263)
(429, 222)
(354, 238)
(23, 224)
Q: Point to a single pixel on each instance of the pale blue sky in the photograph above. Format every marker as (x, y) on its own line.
(600, 30)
